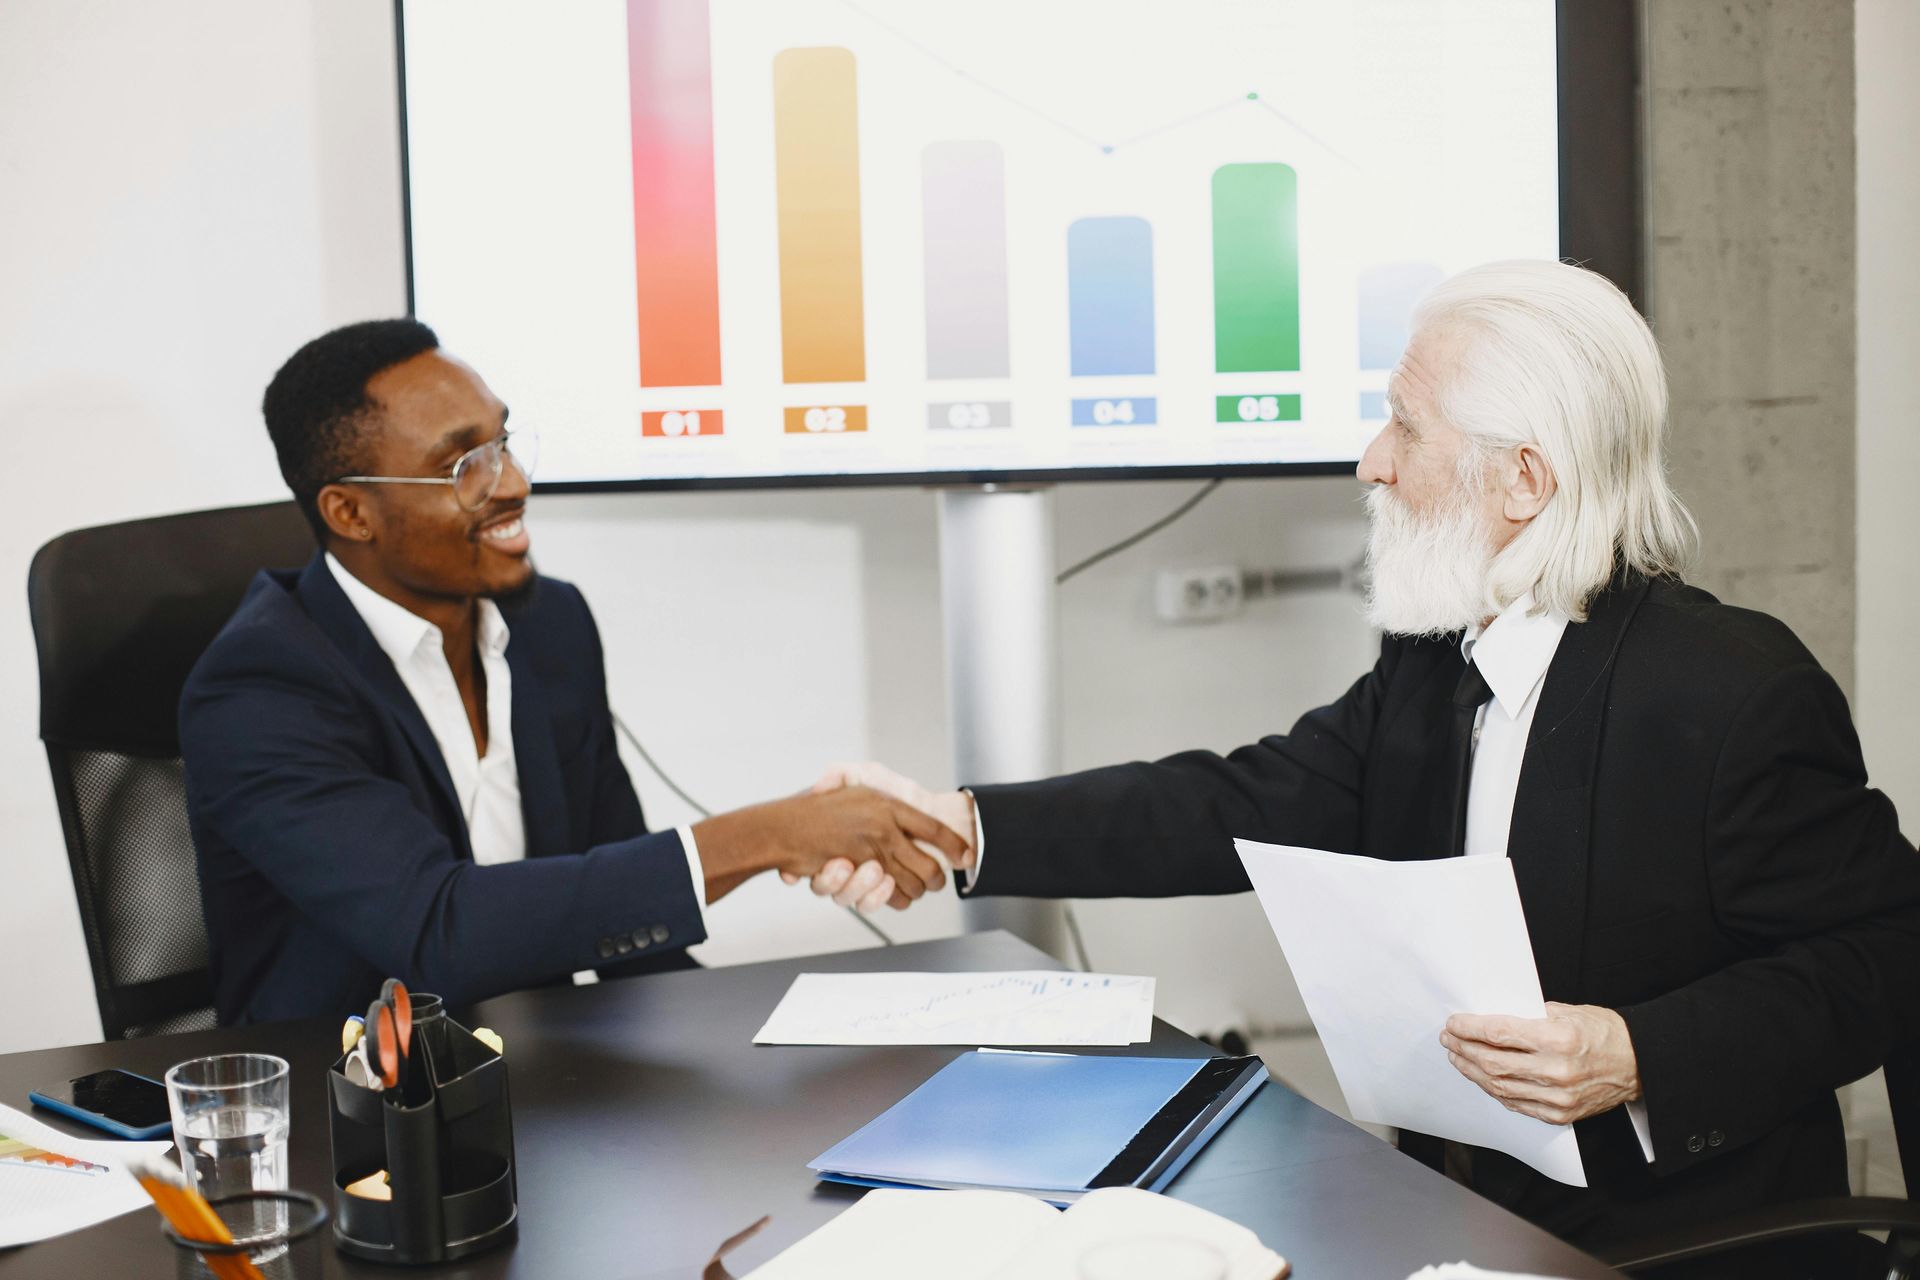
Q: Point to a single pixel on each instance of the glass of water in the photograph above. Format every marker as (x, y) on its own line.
(230, 1122)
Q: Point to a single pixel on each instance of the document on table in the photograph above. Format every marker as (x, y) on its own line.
(51, 1184)
(1023, 1007)
(1383, 953)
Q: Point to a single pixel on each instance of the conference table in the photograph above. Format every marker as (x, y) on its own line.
(648, 1129)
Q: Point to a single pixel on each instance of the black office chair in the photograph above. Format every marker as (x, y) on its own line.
(1836, 1223)
(120, 615)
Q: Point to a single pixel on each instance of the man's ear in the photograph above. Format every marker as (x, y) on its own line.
(1530, 484)
(346, 512)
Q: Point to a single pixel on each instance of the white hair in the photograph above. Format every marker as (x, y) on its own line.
(1556, 357)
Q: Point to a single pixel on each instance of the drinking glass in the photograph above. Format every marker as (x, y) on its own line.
(230, 1122)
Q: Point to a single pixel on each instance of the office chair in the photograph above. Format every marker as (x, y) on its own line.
(1846, 1252)
(120, 615)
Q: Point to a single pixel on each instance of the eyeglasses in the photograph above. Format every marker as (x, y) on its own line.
(476, 473)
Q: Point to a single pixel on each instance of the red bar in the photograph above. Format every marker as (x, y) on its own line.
(676, 258)
(682, 423)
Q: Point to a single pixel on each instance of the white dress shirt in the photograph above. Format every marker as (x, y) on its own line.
(487, 786)
(1513, 653)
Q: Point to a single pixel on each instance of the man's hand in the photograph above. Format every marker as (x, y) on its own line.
(1576, 1062)
(801, 835)
(862, 886)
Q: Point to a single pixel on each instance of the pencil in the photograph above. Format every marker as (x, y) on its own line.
(189, 1214)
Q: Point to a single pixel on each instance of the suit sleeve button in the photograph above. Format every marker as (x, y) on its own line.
(623, 944)
(661, 933)
(606, 948)
(1696, 1143)
(1715, 1138)
(640, 939)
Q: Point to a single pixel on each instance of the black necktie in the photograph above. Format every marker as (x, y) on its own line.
(1468, 697)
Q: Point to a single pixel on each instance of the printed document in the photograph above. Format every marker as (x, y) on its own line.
(1026, 1007)
(51, 1184)
(1383, 953)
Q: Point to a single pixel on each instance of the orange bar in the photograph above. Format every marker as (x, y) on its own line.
(826, 419)
(816, 139)
(682, 423)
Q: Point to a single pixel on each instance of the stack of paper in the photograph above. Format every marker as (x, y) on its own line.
(1384, 953)
(1027, 1007)
(51, 1184)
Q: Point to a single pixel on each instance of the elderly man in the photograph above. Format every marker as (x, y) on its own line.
(1725, 916)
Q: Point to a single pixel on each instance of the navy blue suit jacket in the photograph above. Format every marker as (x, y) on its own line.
(333, 852)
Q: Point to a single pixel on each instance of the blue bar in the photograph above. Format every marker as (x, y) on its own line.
(1373, 406)
(1116, 411)
(1110, 296)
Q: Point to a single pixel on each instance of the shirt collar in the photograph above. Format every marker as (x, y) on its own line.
(1514, 651)
(400, 632)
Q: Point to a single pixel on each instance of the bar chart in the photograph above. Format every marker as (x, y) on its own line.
(824, 237)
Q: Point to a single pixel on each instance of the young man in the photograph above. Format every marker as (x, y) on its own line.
(400, 759)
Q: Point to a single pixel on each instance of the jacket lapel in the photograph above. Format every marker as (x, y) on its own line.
(335, 615)
(1552, 809)
(543, 800)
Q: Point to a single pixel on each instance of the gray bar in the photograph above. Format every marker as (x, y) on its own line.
(969, 415)
(963, 190)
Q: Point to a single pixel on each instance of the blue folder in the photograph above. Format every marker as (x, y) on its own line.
(1053, 1125)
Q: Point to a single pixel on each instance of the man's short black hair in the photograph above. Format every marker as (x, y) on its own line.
(318, 410)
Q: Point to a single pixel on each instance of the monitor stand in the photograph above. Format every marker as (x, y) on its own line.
(997, 596)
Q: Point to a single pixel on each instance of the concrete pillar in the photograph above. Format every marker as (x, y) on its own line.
(1751, 289)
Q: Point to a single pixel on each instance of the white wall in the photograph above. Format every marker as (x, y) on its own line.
(177, 212)
(188, 191)
(1886, 38)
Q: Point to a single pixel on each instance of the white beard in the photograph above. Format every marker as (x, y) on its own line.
(1428, 573)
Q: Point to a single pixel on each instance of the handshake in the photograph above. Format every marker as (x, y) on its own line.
(863, 835)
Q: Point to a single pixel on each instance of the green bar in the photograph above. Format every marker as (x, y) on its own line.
(1256, 269)
(1259, 407)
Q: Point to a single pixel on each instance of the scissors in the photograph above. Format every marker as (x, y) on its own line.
(389, 1034)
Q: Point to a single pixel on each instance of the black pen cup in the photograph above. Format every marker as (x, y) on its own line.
(444, 1139)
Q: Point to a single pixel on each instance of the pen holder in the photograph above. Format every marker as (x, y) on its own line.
(444, 1138)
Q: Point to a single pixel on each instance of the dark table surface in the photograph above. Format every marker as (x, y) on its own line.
(648, 1129)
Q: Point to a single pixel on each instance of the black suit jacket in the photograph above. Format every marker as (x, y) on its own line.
(333, 852)
(1695, 843)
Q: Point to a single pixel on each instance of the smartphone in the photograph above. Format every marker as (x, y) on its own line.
(122, 1103)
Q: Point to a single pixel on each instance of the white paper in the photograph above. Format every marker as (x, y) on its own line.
(1467, 1271)
(1015, 1008)
(1383, 953)
(40, 1200)
(1002, 1235)
(930, 1235)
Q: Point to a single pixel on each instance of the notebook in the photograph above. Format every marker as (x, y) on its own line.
(1000, 1235)
(1054, 1126)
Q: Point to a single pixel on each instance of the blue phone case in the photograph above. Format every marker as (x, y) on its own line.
(98, 1121)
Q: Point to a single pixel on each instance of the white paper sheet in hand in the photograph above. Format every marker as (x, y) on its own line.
(42, 1198)
(1383, 953)
(1025, 1007)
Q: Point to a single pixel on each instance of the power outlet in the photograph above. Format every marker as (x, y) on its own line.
(1197, 595)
